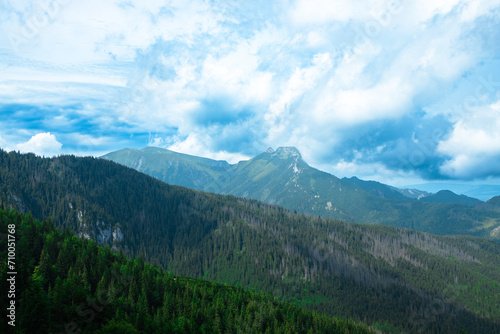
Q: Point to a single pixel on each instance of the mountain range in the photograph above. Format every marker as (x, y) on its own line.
(282, 177)
(480, 191)
(394, 279)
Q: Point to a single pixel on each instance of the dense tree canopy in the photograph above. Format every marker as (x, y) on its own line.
(66, 284)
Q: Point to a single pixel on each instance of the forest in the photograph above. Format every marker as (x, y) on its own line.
(393, 279)
(68, 284)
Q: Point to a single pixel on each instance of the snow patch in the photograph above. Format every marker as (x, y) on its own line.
(140, 162)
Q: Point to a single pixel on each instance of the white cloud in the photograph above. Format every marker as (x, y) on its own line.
(199, 145)
(236, 73)
(425, 10)
(324, 11)
(472, 9)
(371, 171)
(302, 81)
(307, 73)
(43, 144)
(473, 147)
(321, 11)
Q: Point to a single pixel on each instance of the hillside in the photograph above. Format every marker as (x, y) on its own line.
(171, 167)
(65, 283)
(282, 177)
(388, 277)
(380, 189)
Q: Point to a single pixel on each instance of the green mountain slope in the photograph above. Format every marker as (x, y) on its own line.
(171, 167)
(65, 284)
(388, 277)
(380, 189)
(495, 201)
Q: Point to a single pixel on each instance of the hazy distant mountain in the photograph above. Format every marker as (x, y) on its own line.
(412, 192)
(389, 192)
(482, 192)
(282, 177)
(386, 191)
(446, 196)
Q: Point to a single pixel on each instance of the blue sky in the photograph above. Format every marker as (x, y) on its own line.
(397, 91)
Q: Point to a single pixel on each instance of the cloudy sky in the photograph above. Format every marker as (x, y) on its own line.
(397, 91)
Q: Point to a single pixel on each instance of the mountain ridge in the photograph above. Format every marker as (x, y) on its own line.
(282, 177)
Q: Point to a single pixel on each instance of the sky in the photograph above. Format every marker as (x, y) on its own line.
(402, 92)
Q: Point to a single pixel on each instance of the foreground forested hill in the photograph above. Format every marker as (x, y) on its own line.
(395, 279)
(66, 284)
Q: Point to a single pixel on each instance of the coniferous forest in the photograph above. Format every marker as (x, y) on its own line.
(393, 279)
(67, 284)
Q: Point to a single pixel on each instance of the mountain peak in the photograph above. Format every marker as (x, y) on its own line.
(285, 152)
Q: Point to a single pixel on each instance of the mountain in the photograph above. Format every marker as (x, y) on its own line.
(171, 167)
(282, 177)
(411, 192)
(394, 279)
(389, 192)
(72, 285)
(494, 201)
(383, 190)
(482, 192)
(446, 196)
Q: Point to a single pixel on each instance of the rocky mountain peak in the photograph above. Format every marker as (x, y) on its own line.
(287, 152)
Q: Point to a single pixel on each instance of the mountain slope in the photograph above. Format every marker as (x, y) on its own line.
(390, 277)
(87, 288)
(494, 201)
(379, 189)
(171, 167)
(282, 177)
